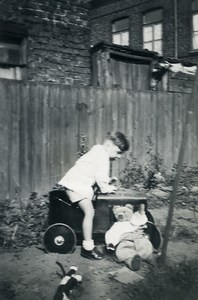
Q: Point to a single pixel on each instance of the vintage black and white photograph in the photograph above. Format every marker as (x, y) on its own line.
(98, 149)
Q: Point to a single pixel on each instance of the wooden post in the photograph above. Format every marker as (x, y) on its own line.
(189, 112)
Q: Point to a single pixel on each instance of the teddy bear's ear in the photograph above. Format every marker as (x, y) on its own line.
(129, 206)
(114, 208)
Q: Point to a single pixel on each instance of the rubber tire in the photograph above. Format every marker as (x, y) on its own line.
(60, 238)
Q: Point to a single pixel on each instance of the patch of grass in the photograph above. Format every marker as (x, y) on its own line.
(169, 283)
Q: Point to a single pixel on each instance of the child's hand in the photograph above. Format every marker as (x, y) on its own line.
(115, 181)
(112, 189)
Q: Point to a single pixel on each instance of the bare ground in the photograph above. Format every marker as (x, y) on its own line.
(31, 274)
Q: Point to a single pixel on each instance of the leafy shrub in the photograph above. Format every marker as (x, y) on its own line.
(23, 224)
(148, 174)
(132, 173)
(83, 145)
(153, 171)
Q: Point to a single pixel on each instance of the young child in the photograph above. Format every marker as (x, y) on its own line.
(93, 168)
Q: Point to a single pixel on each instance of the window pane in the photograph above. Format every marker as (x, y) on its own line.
(11, 73)
(158, 32)
(10, 54)
(121, 25)
(125, 38)
(195, 22)
(158, 46)
(147, 34)
(195, 40)
(152, 16)
(117, 38)
(148, 46)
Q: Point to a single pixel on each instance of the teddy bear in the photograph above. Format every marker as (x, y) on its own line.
(126, 237)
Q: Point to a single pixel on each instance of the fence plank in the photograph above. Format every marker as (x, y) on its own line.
(14, 141)
(5, 119)
(73, 126)
(194, 134)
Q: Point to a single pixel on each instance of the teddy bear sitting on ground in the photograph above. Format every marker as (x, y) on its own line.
(127, 238)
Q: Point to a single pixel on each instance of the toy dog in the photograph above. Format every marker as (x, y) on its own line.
(68, 282)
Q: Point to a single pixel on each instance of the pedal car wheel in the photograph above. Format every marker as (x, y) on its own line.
(60, 238)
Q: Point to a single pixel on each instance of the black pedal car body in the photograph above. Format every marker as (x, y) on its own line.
(65, 219)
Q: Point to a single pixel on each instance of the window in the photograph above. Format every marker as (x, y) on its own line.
(120, 32)
(152, 31)
(12, 51)
(195, 24)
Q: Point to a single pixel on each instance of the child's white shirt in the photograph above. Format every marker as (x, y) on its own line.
(93, 167)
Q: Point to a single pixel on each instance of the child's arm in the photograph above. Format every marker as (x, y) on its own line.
(104, 181)
(102, 174)
(108, 189)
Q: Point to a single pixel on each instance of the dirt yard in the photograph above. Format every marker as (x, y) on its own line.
(31, 274)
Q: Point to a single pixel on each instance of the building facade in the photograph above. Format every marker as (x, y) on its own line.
(169, 27)
(45, 41)
(51, 41)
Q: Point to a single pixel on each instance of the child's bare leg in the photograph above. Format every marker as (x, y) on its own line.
(87, 224)
(88, 249)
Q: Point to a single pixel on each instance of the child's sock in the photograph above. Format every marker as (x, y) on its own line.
(88, 245)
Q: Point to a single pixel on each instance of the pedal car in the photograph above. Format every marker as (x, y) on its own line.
(65, 219)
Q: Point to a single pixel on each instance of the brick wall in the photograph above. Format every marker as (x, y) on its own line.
(102, 17)
(58, 39)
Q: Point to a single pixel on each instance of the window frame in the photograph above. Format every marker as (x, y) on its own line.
(151, 24)
(120, 32)
(13, 48)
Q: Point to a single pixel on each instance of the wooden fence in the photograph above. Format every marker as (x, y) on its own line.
(41, 126)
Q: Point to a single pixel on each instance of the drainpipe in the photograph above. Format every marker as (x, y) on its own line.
(175, 28)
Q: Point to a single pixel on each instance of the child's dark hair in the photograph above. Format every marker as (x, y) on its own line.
(119, 139)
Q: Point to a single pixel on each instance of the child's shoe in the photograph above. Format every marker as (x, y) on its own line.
(91, 254)
(110, 247)
(134, 263)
